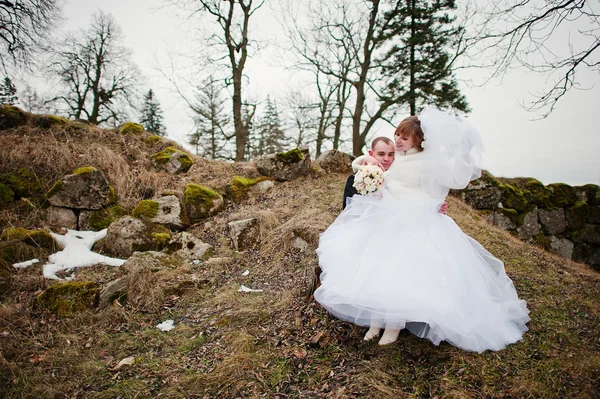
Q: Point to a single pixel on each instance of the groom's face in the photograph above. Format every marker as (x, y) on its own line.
(384, 153)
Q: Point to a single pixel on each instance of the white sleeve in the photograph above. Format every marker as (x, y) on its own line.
(356, 163)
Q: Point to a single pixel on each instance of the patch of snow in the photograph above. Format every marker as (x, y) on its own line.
(166, 325)
(247, 272)
(77, 252)
(25, 264)
(243, 288)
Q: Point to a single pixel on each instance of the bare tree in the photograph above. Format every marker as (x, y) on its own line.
(98, 78)
(557, 39)
(211, 137)
(24, 24)
(352, 43)
(230, 47)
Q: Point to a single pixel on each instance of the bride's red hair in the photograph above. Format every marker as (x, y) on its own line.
(411, 127)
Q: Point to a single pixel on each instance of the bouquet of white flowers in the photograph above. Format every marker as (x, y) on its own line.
(368, 179)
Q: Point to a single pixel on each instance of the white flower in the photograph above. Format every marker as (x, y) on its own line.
(423, 144)
(368, 179)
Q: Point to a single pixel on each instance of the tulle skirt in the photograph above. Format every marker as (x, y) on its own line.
(398, 263)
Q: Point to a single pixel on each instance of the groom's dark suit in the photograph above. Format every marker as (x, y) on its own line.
(349, 190)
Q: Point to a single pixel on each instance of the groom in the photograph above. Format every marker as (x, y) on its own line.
(383, 150)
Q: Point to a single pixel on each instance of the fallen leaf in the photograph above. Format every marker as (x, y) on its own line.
(128, 361)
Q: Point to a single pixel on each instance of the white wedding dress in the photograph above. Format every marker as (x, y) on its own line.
(392, 260)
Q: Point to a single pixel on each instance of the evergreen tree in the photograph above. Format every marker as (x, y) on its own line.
(8, 92)
(271, 137)
(152, 118)
(419, 62)
(210, 138)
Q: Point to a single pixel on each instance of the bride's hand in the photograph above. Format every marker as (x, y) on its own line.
(369, 160)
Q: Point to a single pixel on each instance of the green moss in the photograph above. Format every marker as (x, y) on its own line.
(11, 116)
(239, 187)
(514, 198)
(201, 202)
(83, 170)
(48, 121)
(161, 239)
(113, 198)
(153, 139)
(522, 215)
(536, 193)
(158, 237)
(38, 238)
(24, 183)
(66, 298)
(55, 189)
(512, 214)
(145, 209)
(131, 127)
(289, 157)
(563, 195)
(7, 196)
(102, 218)
(162, 157)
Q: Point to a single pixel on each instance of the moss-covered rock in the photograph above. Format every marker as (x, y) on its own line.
(55, 188)
(87, 189)
(131, 127)
(38, 238)
(102, 218)
(506, 218)
(514, 198)
(157, 238)
(201, 202)
(173, 160)
(11, 116)
(24, 183)
(538, 194)
(239, 188)
(145, 209)
(563, 195)
(589, 193)
(289, 157)
(7, 196)
(64, 299)
(84, 170)
(48, 121)
(576, 218)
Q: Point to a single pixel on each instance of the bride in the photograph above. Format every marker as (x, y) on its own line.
(392, 261)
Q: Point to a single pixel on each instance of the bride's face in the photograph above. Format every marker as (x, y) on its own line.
(403, 143)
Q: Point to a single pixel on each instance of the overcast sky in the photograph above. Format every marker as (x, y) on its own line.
(564, 147)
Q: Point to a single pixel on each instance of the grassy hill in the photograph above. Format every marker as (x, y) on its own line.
(277, 343)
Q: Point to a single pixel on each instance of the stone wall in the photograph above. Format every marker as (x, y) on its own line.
(561, 218)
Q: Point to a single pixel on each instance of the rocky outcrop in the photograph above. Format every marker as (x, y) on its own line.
(173, 160)
(285, 166)
(166, 210)
(58, 217)
(64, 299)
(86, 188)
(334, 161)
(187, 246)
(242, 188)
(563, 219)
(201, 202)
(129, 234)
(244, 233)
